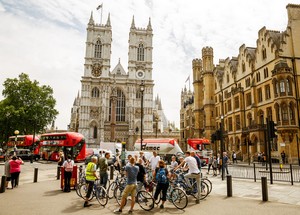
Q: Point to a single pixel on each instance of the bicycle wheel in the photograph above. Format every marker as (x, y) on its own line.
(77, 189)
(101, 195)
(209, 183)
(145, 200)
(204, 190)
(111, 189)
(83, 191)
(179, 198)
(118, 192)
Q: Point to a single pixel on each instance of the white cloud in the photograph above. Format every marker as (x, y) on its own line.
(46, 39)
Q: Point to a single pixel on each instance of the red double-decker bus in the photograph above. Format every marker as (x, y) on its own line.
(25, 142)
(71, 143)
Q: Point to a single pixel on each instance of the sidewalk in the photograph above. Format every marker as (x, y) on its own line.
(45, 197)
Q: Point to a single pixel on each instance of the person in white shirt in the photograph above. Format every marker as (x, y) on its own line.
(153, 161)
(193, 172)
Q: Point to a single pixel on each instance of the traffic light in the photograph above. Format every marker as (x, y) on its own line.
(218, 134)
(213, 137)
(273, 129)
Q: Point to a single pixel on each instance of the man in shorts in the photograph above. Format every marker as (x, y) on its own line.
(131, 174)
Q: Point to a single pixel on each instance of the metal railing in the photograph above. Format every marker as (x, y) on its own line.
(290, 173)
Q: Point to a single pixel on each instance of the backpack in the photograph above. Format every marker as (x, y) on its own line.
(161, 176)
(69, 166)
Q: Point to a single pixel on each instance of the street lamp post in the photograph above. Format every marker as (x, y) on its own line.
(142, 89)
(16, 132)
(222, 144)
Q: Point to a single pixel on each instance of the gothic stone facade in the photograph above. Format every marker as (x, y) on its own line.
(109, 105)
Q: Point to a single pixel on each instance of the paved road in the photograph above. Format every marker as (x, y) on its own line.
(45, 198)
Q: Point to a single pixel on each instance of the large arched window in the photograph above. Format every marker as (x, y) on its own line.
(95, 132)
(95, 92)
(98, 49)
(140, 52)
(120, 107)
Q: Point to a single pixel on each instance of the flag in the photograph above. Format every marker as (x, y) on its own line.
(187, 79)
(100, 6)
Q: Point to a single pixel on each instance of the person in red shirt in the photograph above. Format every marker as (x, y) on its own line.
(15, 169)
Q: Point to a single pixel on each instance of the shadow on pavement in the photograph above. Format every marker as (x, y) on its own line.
(53, 193)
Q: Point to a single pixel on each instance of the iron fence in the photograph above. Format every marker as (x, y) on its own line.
(255, 171)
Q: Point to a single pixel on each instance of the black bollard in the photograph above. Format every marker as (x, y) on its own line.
(229, 185)
(3, 184)
(264, 188)
(58, 173)
(35, 175)
(111, 172)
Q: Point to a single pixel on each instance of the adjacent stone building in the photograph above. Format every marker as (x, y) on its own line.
(261, 82)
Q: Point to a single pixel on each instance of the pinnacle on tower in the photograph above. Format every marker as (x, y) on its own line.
(149, 27)
(132, 23)
(108, 21)
(91, 21)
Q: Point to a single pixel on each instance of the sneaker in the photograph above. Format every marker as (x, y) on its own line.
(117, 211)
(130, 211)
(86, 204)
(161, 206)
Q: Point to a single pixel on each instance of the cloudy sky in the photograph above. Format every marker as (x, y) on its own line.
(46, 39)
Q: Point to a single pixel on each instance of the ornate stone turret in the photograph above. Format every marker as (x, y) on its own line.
(208, 99)
(198, 99)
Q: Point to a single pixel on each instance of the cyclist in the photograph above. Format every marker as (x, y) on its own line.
(90, 176)
(193, 172)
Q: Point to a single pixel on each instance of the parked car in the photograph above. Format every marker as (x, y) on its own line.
(24, 154)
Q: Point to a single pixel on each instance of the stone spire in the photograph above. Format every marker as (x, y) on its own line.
(91, 21)
(132, 23)
(149, 27)
(108, 21)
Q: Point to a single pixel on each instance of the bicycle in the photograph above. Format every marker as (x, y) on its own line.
(175, 195)
(143, 198)
(191, 188)
(113, 185)
(98, 191)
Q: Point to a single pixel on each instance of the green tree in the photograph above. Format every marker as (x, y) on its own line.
(26, 107)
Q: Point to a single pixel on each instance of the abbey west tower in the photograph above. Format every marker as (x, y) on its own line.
(109, 108)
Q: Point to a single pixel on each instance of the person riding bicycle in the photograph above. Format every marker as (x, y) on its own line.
(193, 172)
(90, 176)
(161, 176)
